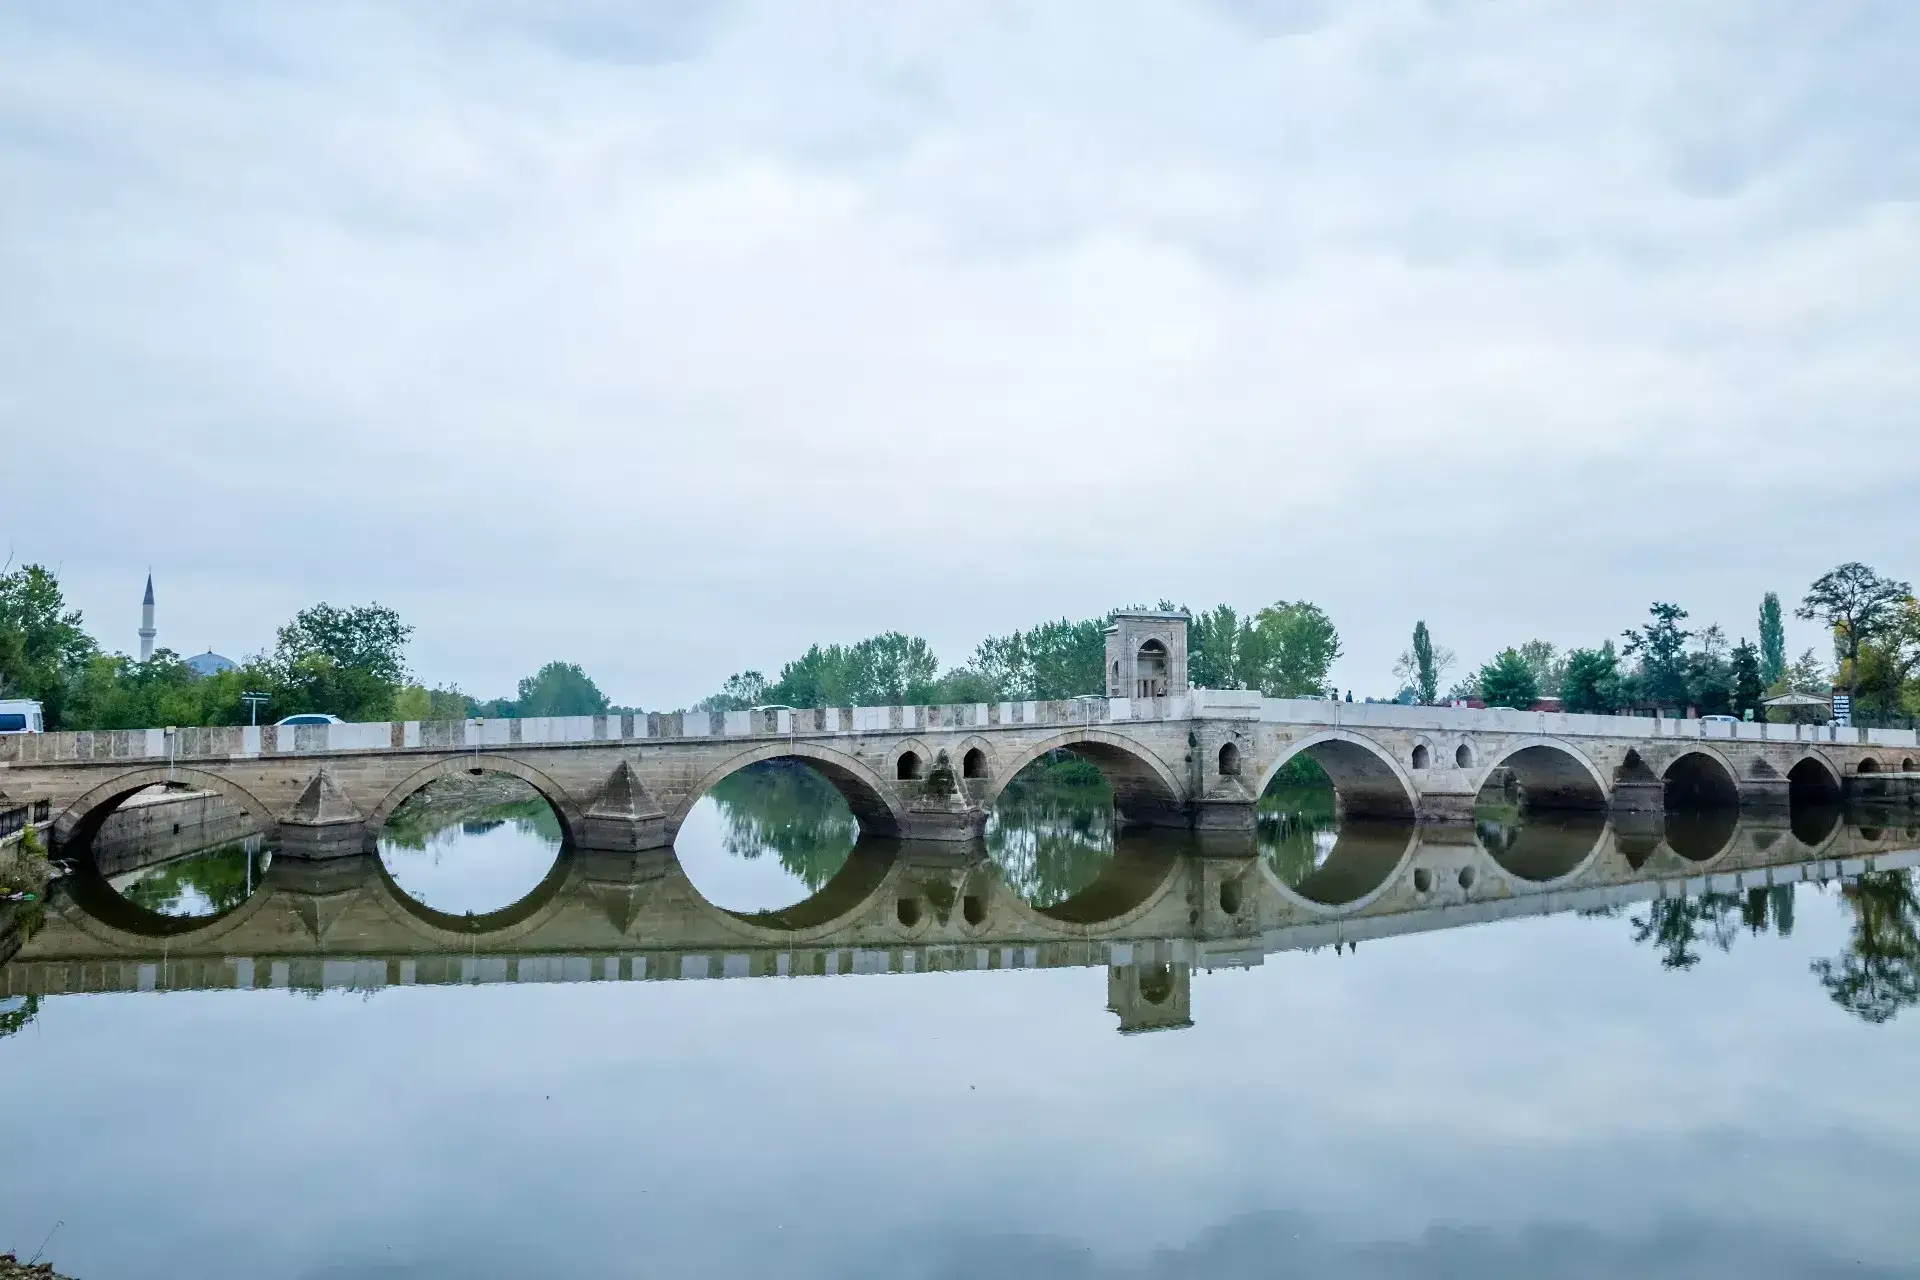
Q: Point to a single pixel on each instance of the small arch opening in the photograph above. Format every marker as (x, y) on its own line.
(973, 909)
(1229, 760)
(1422, 880)
(1463, 756)
(1466, 877)
(1868, 765)
(974, 763)
(908, 766)
(1422, 757)
(907, 912)
(1150, 670)
(1230, 897)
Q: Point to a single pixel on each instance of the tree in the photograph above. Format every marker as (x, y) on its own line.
(560, 689)
(42, 643)
(1749, 690)
(417, 703)
(1289, 650)
(742, 690)
(1508, 681)
(1423, 665)
(1773, 640)
(1856, 603)
(1213, 649)
(1592, 683)
(1544, 660)
(1807, 674)
(349, 662)
(1662, 650)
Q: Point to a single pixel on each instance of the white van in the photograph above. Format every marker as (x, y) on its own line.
(17, 715)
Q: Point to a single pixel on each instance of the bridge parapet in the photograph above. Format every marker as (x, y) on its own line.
(241, 742)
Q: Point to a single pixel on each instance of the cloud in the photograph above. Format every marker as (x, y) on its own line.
(670, 341)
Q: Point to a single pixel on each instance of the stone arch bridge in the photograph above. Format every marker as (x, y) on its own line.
(1197, 759)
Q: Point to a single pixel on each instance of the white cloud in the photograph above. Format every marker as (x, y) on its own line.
(669, 343)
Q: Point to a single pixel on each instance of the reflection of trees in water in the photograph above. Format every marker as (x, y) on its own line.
(1879, 975)
(17, 1013)
(1295, 822)
(1678, 926)
(1052, 831)
(788, 808)
(200, 884)
(436, 816)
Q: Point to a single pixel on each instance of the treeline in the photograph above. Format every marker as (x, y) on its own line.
(1874, 622)
(1284, 650)
(349, 662)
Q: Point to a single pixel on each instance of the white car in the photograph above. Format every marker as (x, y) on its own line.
(21, 715)
(1721, 719)
(312, 717)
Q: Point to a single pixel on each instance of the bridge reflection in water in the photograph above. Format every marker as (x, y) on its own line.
(1044, 891)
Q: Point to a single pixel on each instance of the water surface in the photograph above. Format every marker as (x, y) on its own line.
(1710, 1082)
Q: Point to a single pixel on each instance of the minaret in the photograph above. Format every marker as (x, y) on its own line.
(146, 623)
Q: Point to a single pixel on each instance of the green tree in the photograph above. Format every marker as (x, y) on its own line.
(1289, 650)
(1773, 640)
(1213, 649)
(348, 662)
(743, 689)
(1662, 650)
(42, 642)
(560, 689)
(1543, 658)
(1061, 659)
(1749, 690)
(1422, 666)
(1508, 681)
(1856, 604)
(1592, 684)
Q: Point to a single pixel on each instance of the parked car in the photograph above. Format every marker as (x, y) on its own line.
(312, 717)
(19, 715)
(1721, 719)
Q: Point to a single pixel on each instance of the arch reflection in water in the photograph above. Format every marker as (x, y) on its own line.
(1542, 847)
(1052, 832)
(767, 837)
(471, 844)
(1320, 855)
(199, 885)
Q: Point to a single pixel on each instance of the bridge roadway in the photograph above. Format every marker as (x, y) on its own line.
(1201, 760)
(1154, 916)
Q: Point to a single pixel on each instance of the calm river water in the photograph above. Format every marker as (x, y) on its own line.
(1709, 1084)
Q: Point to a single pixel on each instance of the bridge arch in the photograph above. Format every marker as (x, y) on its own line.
(876, 803)
(1701, 778)
(564, 806)
(1814, 779)
(1552, 773)
(1367, 780)
(81, 819)
(1144, 788)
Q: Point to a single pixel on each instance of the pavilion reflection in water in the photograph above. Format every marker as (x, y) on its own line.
(1154, 911)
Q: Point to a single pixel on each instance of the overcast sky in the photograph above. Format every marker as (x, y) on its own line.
(668, 338)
